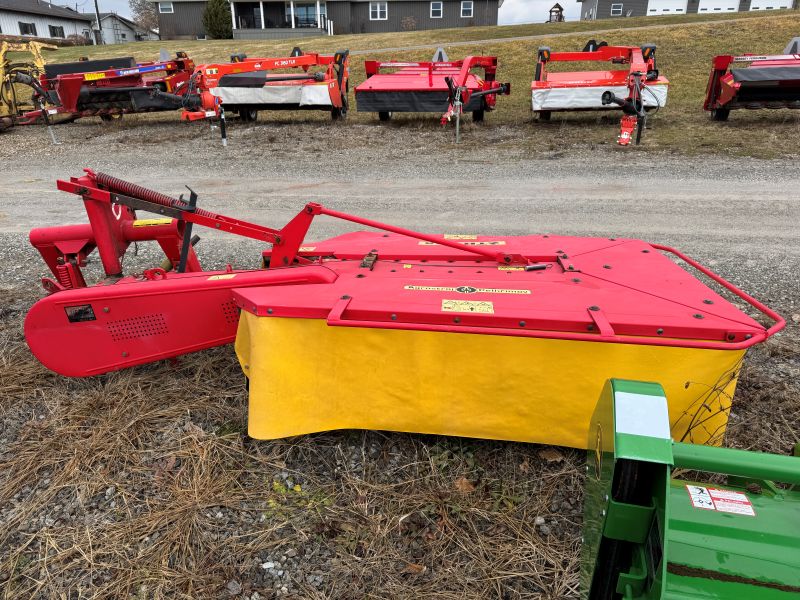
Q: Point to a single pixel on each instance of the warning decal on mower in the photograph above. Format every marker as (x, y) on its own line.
(727, 501)
(151, 222)
(460, 236)
(468, 306)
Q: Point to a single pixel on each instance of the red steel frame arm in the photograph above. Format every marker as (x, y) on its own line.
(779, 324)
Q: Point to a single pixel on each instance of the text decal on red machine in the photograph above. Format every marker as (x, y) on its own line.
(727, 501)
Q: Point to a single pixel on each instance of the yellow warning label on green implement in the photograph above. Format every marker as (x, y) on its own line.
(150, 222)
(467, 306)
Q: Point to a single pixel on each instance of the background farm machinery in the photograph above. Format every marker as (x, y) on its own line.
(446, 87)
(765, 82)
(106, 88)
(249, 85)
(635, 91)
(15, 96)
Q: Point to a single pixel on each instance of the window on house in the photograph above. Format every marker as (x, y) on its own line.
(165, 8)
(27, 28)
(124, 36)
(466, 9)
(56, 32)
(378, 11)
(436, 10)
(616, 10)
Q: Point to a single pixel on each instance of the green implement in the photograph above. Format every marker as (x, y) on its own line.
(650, 535)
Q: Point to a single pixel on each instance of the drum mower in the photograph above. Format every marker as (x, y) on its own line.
(249, 85)
(106, 88)
(636, 90)
(446, 87)
(388, 329)
(764, 82)
(652, 533)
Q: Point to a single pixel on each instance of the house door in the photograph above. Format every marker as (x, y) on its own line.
(666, 7)
(718, 6)
(770, 4)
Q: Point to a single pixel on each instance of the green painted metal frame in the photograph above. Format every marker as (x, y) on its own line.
(643, 536)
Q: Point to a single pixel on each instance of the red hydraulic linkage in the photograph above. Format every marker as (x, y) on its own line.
(111, 204)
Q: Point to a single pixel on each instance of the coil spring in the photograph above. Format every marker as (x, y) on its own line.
(64, 276)
(133, 190)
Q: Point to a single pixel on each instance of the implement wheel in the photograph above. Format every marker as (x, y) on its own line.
(248, 115)
(720, 114)
(384, 116)
(544, 115)
(477, 115)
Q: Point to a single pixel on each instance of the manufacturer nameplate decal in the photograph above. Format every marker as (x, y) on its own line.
(468, 306)
(489, 243)
(464, 289)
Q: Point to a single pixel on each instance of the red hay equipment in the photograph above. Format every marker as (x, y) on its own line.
(249, 85)
(765, 82)
(108, 87)
(636, 90)
(445, 87)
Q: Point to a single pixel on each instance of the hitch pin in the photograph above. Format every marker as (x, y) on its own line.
(536, 267)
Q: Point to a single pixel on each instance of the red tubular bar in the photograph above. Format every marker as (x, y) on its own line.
(779, 324)
(497, 256)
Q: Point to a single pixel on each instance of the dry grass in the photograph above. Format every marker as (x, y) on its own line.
(142, 485)
(684, 51)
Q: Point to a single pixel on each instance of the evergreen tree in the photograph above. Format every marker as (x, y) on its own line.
(217, 20)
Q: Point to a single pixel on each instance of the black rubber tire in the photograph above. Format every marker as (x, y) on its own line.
(384, 116)
(544, 115)
(720, 114)
(248, 115)
(478, 115)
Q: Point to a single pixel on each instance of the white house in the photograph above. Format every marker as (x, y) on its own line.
(117, 29)
(40, 19)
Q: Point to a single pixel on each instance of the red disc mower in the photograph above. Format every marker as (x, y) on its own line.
(636, 90)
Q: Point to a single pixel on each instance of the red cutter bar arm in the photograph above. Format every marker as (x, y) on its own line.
(642, 69)
(111, 206)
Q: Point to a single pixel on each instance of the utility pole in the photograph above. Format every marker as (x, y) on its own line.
(98, 36)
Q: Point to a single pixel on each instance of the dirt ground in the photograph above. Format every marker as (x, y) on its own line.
(143, 484)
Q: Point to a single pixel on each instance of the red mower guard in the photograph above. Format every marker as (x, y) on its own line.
(107, 87)
(444, 87)
(562, 310)
(636, 91)
(766, 82)
(248, 85)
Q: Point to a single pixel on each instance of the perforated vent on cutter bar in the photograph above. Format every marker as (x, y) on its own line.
(137, 327)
